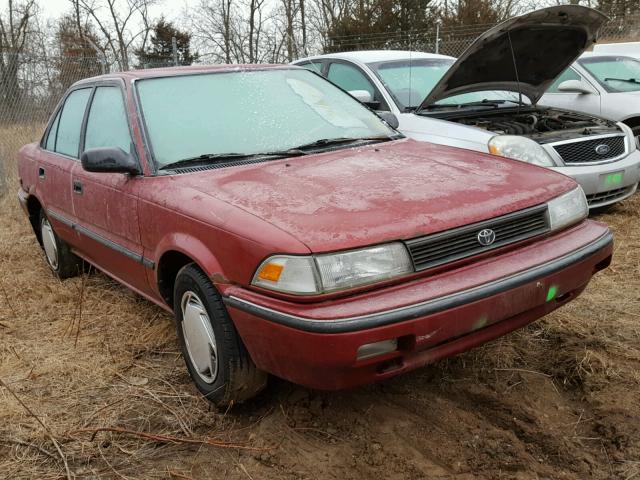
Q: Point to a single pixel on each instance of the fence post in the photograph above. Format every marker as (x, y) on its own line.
(174, 47)
(437, 37)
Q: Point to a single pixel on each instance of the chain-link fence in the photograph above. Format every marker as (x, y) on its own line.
(32, 84)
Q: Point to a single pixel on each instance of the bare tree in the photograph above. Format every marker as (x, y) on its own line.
(121, 23)
(15, 30)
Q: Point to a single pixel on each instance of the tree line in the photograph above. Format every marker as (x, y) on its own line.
(96, 36)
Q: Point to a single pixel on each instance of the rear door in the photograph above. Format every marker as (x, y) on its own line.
(57, 158)
(106, 204)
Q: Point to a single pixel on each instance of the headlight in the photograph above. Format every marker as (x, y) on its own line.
(520, 148)
(336, 271)
(632, 141)
(567, 209)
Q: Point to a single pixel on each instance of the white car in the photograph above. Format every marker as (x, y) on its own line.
(600, 84)
(487, 99)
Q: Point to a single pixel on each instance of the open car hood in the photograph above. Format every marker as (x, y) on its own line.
(545, 42)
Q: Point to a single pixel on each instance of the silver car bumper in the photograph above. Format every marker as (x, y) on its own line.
(607, 183)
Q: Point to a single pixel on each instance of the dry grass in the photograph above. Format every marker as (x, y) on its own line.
(92, 385)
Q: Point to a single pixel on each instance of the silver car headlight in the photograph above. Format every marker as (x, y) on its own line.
(567, 209)
(520, 148)
(308, 275)
(632, 141)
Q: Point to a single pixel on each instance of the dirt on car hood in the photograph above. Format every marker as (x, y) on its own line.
(362, 196)
(545, 42)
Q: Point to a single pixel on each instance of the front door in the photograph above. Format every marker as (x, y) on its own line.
(106, 204)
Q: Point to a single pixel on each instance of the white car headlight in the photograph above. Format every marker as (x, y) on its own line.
(336, 271)
(632, 141)
(520, 148)
(567, 209)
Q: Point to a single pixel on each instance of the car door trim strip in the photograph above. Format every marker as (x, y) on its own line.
(429, 307)
(100, 239)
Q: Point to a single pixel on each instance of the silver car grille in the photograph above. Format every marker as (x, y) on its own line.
(609, 195)
(592, 150)
(459, 243)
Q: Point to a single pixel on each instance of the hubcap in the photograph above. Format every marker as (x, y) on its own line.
(49, 243)
(199, 338)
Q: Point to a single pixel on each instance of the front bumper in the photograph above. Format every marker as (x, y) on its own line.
(606, 183)
(316, 345)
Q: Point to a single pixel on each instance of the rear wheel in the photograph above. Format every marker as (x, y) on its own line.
(62, 262)
(216, 358)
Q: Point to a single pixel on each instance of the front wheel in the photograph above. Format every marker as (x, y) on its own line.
(216, 358)
(62, 262)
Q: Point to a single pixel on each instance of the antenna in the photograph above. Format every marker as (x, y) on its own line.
(515, 69)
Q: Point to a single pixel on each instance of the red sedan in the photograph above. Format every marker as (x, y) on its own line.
(294, 232)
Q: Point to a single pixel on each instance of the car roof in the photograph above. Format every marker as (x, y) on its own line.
(370, 56)
(177, 71)
(605, 54)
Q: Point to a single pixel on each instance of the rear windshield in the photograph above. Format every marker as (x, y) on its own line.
(248, 112)
(615, 74)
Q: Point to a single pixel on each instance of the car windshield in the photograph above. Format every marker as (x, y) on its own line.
(248, 112)
(615, 74)
(409, 81)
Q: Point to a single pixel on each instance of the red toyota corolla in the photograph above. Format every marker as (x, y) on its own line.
(294, 232)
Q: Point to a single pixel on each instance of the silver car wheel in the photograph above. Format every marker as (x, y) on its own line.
(49, 243)
(199, 338)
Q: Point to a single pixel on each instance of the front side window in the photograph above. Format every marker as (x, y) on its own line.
(615, 74)
(107, 122)
(248, 112)
(53, 132)
(568, 74)
(349, 78)
(68, 132)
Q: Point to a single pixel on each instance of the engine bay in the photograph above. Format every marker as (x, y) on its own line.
(540, 124)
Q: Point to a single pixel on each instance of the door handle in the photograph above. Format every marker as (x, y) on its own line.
(41, 172)
(77, 187)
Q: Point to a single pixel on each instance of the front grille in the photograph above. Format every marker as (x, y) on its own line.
(587, 151)
(459, 243)
(607, 196)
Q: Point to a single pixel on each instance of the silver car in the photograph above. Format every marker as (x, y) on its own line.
(486, 100)
(600, 84)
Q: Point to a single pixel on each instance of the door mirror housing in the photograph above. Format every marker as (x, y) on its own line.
(109, 160)
(362, 96)
(390, 118)
(576, 86)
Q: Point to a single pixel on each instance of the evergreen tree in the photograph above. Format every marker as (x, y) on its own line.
(160, 50)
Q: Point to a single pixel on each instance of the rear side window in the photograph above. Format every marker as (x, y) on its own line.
(349, 78)
(568, 74)
(51, 138)
(70, 123)
(107, 122)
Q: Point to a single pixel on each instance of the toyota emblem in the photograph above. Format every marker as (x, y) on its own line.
(486, 237)
(602, 149)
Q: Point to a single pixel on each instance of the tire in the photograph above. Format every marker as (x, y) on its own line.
(216, 358)
(57, 253)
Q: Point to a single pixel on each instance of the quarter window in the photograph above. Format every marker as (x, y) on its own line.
(107, 123)
(568, 74)
(51, 138)
(313, 66)
(70, 122)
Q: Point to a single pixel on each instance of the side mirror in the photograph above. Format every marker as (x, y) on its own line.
(362, 96)
(390, 118)
(576, 86)
(111, 160)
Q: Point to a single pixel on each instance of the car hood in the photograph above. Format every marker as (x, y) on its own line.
(362, 196)
(545, 42)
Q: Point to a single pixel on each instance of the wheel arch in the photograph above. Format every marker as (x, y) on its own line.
(34, 207)
(632, 122)
(175, 252)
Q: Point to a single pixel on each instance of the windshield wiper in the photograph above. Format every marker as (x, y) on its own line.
(628, 80)
(482, 103)
(325, 142)
(209, 158)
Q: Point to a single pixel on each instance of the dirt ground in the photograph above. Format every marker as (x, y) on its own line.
(557, 400)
